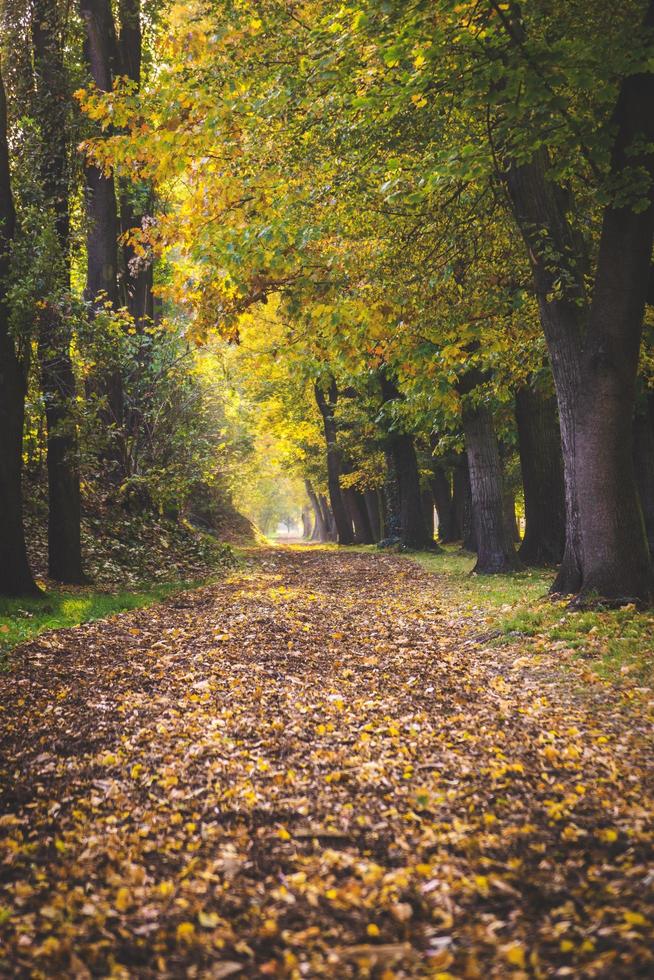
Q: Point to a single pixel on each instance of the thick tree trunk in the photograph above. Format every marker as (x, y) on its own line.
(15, 575)
(462, 503)
(307, 525)
(412, 528)
(495, 551)
(327, 406)
(644, 465)
(539, 439)
(594, 352)
(58, 381)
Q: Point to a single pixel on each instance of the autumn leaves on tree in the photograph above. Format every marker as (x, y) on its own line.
(420, 238)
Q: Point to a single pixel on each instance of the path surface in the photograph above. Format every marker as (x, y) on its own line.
(308, 770)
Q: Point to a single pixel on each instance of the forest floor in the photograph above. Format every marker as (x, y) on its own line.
(320, 766)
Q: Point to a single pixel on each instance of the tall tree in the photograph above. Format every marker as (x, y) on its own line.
(539, 441)
(15, 575)
(594, 344)
(101, 55)
(326, 402)
(52, 101)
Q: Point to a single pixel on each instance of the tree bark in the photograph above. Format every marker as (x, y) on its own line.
(101, 55)
(375, 516)
(428, 512)
(462, 503)
(495, 551)
(15, 575)
(328, 518)
(319, 527)
(136, 276)
(539, 439)
(54, 336)
(441, 491)
(412, 529)
(327, 406)
(644, 464)
(358, 512)
(594, 352)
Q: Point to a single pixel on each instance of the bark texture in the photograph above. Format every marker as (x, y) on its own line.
(400, 447)
(319, 532)
(462, 503)
(327, 406)
(539, 439)
(594, 351)
(495, 551)
(644, 464)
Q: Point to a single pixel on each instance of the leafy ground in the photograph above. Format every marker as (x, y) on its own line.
(615, 645)
(22, 619)
(320, 767)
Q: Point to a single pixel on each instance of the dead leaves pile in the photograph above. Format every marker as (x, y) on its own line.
(310, 770)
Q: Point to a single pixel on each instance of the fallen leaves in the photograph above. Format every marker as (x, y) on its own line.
(222, 791)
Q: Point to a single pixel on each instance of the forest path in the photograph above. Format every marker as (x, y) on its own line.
(309, 769)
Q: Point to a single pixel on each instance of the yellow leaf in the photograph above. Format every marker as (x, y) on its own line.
(123, 900)
(185, 932)
(635, 918)
(514, 954)
(372, 929)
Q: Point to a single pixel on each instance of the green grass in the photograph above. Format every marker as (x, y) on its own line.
(23, 619)
(618, 644)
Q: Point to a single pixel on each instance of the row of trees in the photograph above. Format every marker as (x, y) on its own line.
(98, 384)
(457, 194)
(438, 219)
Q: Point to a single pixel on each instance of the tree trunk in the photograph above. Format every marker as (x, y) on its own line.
(462, 503)
(412, 529)
(319, 527)
(328, 518)
(644, 464)
(362, 527)
(509, 513)
(306, 524)
(54, 336)
(495, 551)
(594, 351)
(327, 407)
(439, 483)
(375, 516)
(15, 575)
(539, 439)
(136, 275)
(428, 512)
(101, 55)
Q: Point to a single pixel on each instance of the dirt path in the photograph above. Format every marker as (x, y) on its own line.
(307, 770)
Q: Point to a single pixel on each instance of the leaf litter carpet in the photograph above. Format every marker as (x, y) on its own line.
(313, 769)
